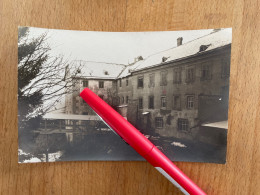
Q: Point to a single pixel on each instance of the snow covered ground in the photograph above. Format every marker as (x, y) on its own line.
(29, 158)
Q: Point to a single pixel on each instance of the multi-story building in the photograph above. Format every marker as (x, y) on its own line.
(99, 77)
(163, 92)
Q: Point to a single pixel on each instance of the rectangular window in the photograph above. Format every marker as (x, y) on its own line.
(159, 122)
(151, 102)
(183, 124)
(85, 83)
(163, 78)
(151, 80)
(177, 75)
(126, 82)
(140, 103)
(176, 102)
(225, 68)
(120, 83)
(190, 101)
(190, 75)
(163, 102)
(205, 72)
(127, 99)
(140, 81)
(123, 100)
(101, 84)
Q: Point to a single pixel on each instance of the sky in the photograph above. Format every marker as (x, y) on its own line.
(112, 47)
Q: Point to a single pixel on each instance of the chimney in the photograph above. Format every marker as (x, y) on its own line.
(179, 41)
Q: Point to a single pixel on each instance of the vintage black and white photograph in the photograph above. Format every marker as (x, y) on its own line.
(173, 86)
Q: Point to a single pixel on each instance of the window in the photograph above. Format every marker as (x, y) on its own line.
(151, 102)
(177, 75)
(120, 83)
(151, 80)
(205, 72)
(126, 82)
(140, 82)
(183, 124)
(101, 84)
(225, 68)
(190, 101)
(123, 99)
(163, 78)
(163, 102)
(127, 99)
(140, 103)
(85, 83)
(176, 102)
(190, 75)
(101, 96)
(159, 122)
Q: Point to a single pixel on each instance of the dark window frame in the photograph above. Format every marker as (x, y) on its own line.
(190, 74)
(151, 102)
(225, 68)
(163, 78)
(101, 84)
(183, 124)
(206, 72)
(85, 83)
(159, 122)
(151, 80)
(140, 82)
(190, 104)
(176, 102)
(163, 102)
(177, 78)
(140, 103)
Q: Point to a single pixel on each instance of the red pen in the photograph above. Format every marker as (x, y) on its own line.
(140, 143)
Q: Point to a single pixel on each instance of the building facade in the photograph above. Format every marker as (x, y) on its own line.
(166, 97)
(162, 94)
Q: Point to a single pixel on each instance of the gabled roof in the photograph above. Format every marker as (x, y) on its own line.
(211, 41)
(103, 70)
(100, 70)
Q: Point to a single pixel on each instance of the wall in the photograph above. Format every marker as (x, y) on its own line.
(196, 88)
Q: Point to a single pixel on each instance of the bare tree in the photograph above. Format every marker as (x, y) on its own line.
(43, 79)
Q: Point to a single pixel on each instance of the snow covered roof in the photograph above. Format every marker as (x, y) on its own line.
(70, 116)
(100, 70)
(211, 41)
(220, 124)
(103, 70)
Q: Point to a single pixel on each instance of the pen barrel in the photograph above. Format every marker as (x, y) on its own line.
(119, 124)
(172, 172)
(140, 143)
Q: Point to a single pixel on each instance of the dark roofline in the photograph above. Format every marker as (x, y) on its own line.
(95, 78)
